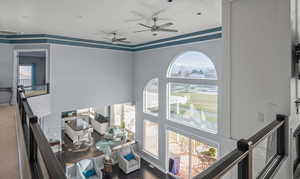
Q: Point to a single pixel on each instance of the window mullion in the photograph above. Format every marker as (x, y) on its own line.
(190, 158)
(192, 81)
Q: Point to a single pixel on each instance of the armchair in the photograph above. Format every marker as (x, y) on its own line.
(128, 165)
(89, 164)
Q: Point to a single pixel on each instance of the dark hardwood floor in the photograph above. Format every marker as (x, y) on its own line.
(146, 172)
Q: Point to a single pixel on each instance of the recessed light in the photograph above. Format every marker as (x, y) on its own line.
(199, 13)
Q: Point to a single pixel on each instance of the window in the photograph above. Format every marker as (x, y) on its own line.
(193, 65)
(25, 75)
(188, 157)
(124, 116)
(193, 92)
(151, 97)
(150, 138)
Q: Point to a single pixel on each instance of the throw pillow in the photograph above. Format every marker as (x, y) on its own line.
(89, 173)
(129, 156)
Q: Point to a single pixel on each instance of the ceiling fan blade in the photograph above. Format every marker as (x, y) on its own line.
(142, 31)
(121, 39)
(4, 32)
(145, 25)
(106, 38)
(167, 30)
(166, 25)
(163, 19)
(124, 41)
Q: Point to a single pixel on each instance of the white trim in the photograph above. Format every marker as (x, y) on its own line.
(193, 81)
(143, 140)
(200, 138)
(225, 74)
(185, 38)
(178, 45)
(144, 151)
(152, 163)
(145, 97)
(16, 51)
(67, 40)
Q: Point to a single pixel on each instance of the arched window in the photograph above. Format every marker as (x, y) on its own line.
(192, 65)
(151, 97)
(193, 91)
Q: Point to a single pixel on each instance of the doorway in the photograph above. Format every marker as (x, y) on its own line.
(31, 71)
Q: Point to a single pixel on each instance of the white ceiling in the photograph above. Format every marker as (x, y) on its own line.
(86, 18)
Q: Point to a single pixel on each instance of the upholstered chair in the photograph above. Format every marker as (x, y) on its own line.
(95, 165)
(128, 165)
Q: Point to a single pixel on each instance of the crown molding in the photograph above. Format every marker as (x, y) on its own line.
(208, 34)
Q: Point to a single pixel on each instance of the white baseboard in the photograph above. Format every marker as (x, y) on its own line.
(154, 164)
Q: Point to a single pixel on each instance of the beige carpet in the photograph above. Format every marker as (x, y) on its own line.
(8, 143)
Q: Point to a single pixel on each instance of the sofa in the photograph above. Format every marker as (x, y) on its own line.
(78, 130)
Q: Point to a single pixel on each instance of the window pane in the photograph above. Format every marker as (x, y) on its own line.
(117, 114)
(151, 137)
(178, 146)
(124, 116)
(188, 157)
(194, 105)
(202, 157)
(194, 65)
(129, 119)
(263, 153)
(151, 97)
(25, 75)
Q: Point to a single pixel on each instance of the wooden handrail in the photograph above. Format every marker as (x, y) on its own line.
(36, 141)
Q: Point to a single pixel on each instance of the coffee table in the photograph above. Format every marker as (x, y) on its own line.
(107, 146)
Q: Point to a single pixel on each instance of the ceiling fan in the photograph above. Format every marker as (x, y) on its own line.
(157, 28)
(148, 18)
(115, 40)
(4, 32)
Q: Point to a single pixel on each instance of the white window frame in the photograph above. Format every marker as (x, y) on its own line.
(122, 114)
(145, 98)
(203, 140)
(143, 144)
(191, 81)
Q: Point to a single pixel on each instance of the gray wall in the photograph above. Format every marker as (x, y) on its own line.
(83, 77)
(258, 47)
(260, 63)
(40, 63)
(6, 70)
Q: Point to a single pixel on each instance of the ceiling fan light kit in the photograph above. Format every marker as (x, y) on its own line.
(114, 39)
(157, 28)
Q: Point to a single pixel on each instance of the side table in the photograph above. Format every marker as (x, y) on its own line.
(108, 166)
